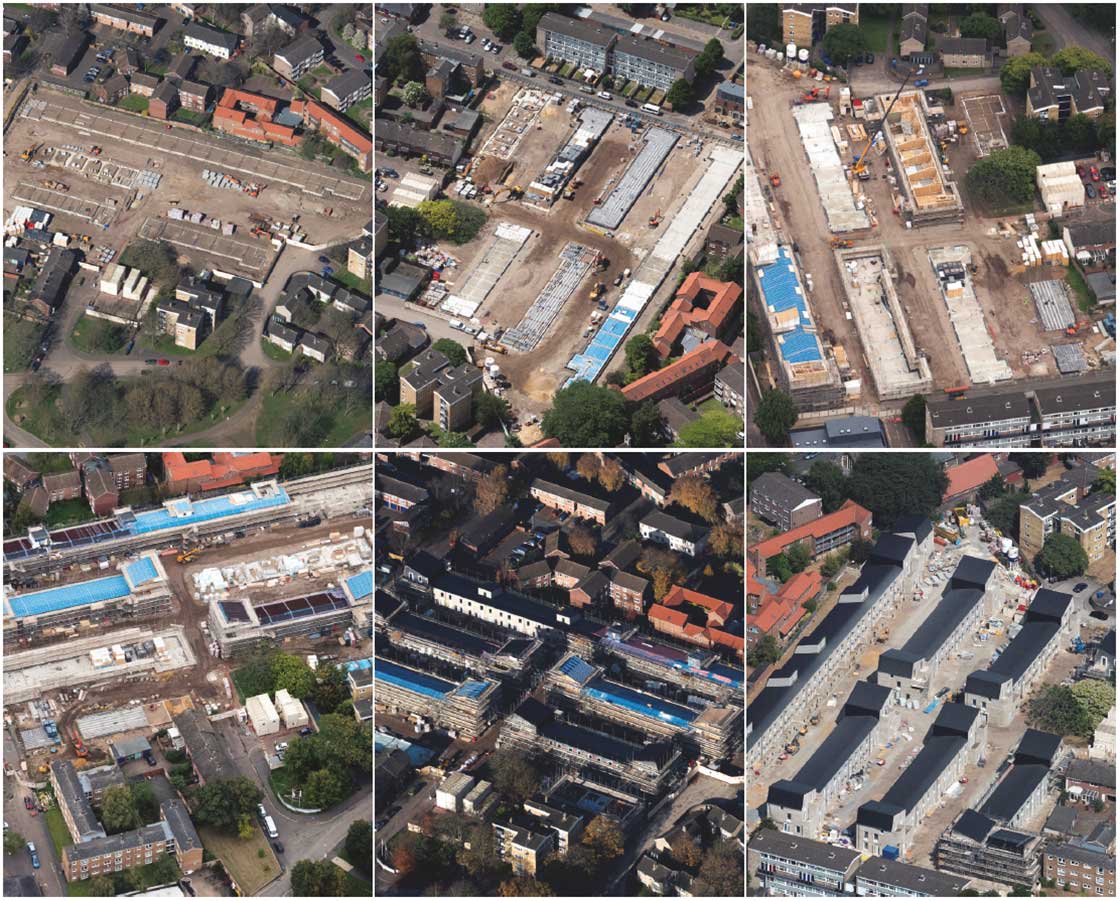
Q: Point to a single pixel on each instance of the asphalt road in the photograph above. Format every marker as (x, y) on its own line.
(1067, 30)
(33, 829)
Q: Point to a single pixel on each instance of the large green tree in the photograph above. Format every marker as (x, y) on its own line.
(914, 417)
(679, 94)
(504, 19)
(843, 42)
(400, 60)
(516, 777)
(981, 25)
(1056, 709)
(222, 803)
(293, 673)
(585, 415)
(118, 813)
(891, 485)
(775, 415)
(1072, 59)
(714, 428)
(359, 845)
(828, 481)
(317, 879)
(641, 357)
(1004, 175)
(386, 383)
(1015, 76)
(1061, 557)
(454, 351)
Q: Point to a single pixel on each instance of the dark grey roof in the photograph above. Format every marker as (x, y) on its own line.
(953, 607)
(483, 532)
(1092, 234)
(1062, 820)
(1024, 649)
(915, 880)
(803, 850)
(947, 412)
(1094, 771)
(788, 793)
(892, 549)
(972, 572)
(213, 36)
(400, 488)
(571, 494)
(954, 719)
(443, 634)
(176, 816)
(847, 431)
(1078, 393)
(924, 770)
(915, 524)
(974, 825)
(208, 751)
(576, 28)
(1073, 851)
(1048, 605)
(74, 797)
(896, 662)
(835, 750)
(781, 489)
(134, 838)
(963, 45)
(985, 683)
(1013, 792)
(867, 699)
(1038, 747)
(1108, 643)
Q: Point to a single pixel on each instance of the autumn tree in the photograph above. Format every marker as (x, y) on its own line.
(582, 541)
(604, 838)
(524, 887)
(404, 860)
(560, 459)
(685, 851)
(587, 466)
(726, 541)
(611, 475)
(695, 493)
(492, 490)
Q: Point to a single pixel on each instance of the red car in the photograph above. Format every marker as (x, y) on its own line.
(1094, 173)
(359, 57)
(28, 803)
(164, 362)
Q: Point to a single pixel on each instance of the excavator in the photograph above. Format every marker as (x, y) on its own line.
(859, 168)
(815, 94)
(841, 242)
(188, 556)
(655, 219)
(30, 152)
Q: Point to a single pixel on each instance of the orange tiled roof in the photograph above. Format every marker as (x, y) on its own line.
(223, 470)
(719, 611)
(683, 312)
(850, 514)
(970, 475)
(706, 354)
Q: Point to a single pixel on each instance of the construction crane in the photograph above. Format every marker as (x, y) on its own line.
(859, 168)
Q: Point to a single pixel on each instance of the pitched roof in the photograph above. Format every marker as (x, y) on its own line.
(707, 354)
(970, 475)
(849, 514)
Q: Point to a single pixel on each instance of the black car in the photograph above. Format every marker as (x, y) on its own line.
(1079, 587)
(633, 104)
(278, 847)
(151, 362)
(869, 59)
(554, 80)
(1096, 614)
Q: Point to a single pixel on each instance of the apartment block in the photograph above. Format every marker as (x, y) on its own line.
(782, 502)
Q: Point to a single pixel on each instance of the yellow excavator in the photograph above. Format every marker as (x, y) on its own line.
(859, 167)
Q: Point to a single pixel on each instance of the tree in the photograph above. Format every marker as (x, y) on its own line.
(1015, 76)
(764, 652)
(604, 838)
(454, 351)
(726, 541)
(1003, 512)
(799, 557)
(330, 687)
(531, 15)
(403, 423)
(721, 871)
(1034, 465)
(515, 776)
(776, 413)
(101, 887)
(13, 842)
(714, 428)
(492, 490)
(993, 488)
(324, 788)
(587, 467)
(1071, 59)
(646, 426)
(221, 803)
(118, 814)
(1105, 481)
(145, 801)
(611, 475)
(641, 357)
(981, 25)
(404, 859)
(491, 411)
(584, 415)
(1056, 709)
(293, 673)
(386, 383)
(1004, 175)
(582, 541)
(523, 886)
(317, 879)
(777, 567)
(844, 41)
(561, 460)
(400, 60)
(679, 94)
(890, 485)
(245, 828)
(1061, 557)
(827, 481)
(708, 58)
(413, 94)
(454, 439)
(405, 224)
(448, 21)
(695, 493)
(914, 417)
(504, 19)
(481, 860)
(523, 45)
(1096, 697)
(684, 849)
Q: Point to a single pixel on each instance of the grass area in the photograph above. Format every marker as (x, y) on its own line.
(250, 871)
(321, 71)
(21, 340)
(1080, 289)
(165, 871)
(306, 84)
(99, 336)
(53, 463)
(354, 887)
(275, 353)
(359, 113)
(281, 782)
(64, 513)
(191, 117)
(1043, 42)
(965, 73)
(45, 421)
(134, 103)
(56, 826)
(876, 29)
(351, 281)
(165, 346)
(698, 12)
(567, 69)
(344, 427)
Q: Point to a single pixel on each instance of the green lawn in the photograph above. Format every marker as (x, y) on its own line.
(359, 113)
(165, 346)
(191, 117)
(134, 103)
(99, 336)
(21, 341)
(281, 783)
(351, 281)
(275, 353)
(242, 859)
(1080, 289)
(56, 826)
(64, 513)
(1043, 42)
(343, 427)
(355, 887)
(876, 29)
(165, 871)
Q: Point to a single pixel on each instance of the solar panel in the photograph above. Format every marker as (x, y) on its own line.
(233, 611)
(361, 585)
(472, 689)
(141, 571)
(578, 669)
(299, 607)
(65, 596)
(1008, 840)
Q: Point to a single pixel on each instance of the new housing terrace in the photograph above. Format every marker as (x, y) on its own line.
(822, 658)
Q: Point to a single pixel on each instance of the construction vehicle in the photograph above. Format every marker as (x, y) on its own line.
(957, 391)
(55, 185)
(257, 232)
(841, 242)
(655, 219)
(43, 768)
(95, 150)
(775, 180)
(815, 95)
(814, 719)
(602, 263)
(188, 556)
(80, 749)
(859, 167)
(598, 291)
(804, 729)
(29, 152)
(962, 128)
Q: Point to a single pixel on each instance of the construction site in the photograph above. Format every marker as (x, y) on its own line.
(833, 177)
(589, 210)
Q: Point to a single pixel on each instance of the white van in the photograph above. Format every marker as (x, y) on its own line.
(456, 324)
(270, 827)
(651, 108)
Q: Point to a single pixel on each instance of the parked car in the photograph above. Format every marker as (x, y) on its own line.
(1079, 587)
(554, 80)
(1090, 191)
(1094, 173)
(28, 803)
(34, 855)
(359, 57)
(306, 730)
(1097, 614)
(278, 846)
(163, 362)
(508, 65)
(324, 259)
(151, 362)
(633, 104)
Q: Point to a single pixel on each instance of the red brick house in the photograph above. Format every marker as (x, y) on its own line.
(101, 492)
